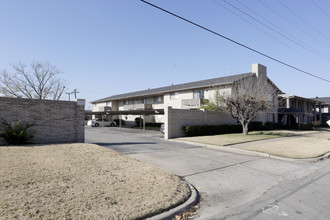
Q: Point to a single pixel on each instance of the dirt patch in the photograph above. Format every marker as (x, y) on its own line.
(82, 181)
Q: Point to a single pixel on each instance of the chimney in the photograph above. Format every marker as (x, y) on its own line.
(260, 71)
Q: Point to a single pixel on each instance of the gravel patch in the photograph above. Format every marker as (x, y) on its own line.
(82, 181)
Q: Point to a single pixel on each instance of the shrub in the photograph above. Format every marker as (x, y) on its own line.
(316, 124)
(324, 125)
(256, 126)
(153, 124)
(117, 121)
(272, 125)
(16, 133)
(304, 126)
(139, 121)
(202, 130)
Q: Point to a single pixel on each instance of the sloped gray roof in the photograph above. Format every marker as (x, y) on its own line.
(323, 99)
(179, 87)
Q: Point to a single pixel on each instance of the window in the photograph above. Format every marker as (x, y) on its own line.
(158, 99)
(135, 102)
(126, 102)
(301, 105)
(107, 104)
(198, 94)
(270, 117)
(174, 95)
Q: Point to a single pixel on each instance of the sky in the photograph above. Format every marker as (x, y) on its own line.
(110, 47)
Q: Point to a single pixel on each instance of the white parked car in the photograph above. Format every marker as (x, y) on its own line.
(98, 122)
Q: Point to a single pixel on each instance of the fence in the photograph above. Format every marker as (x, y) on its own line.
(176, 119)
(56, 121)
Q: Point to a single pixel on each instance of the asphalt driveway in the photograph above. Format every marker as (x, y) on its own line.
(232, 186)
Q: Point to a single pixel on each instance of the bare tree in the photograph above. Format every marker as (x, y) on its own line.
(39, 82)
(247, 98)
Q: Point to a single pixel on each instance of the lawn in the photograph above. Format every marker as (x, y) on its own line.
(299, 145)
(82, 181)
(229, 139)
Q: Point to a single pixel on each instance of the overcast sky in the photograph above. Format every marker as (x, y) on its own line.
(111, 47)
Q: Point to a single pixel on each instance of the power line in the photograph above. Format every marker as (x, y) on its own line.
(303, 20)
(271, 36)
(292, 24)
(281, 29)
(301, 44)
(321, 9)
(235, 42)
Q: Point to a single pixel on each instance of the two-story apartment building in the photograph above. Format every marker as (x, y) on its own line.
(323, 109)
(295, 109)
(182, 96)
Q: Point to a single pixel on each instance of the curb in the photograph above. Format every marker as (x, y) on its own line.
(254, 153)
(168, 215)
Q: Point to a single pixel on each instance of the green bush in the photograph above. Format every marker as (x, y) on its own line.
(304, 126)
(272, 126)
(316, 124)
(202, 130)
(139, 121)
(16, 133)
(256, 126)
(153, 124)
(324, 125)
(117, 121)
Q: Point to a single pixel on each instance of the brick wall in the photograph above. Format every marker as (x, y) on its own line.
(57, 121)
(176, 119)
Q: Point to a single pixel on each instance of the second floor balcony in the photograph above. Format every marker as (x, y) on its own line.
(139, 106)
(192, 103)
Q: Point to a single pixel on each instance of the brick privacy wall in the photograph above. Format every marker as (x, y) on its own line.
(176, 119)
(56, 121)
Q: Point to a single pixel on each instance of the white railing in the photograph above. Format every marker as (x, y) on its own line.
(137, 106)
(191, 103)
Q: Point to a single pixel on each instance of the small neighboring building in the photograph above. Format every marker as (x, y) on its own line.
(183, 96)
(295, 109)
(324, 106)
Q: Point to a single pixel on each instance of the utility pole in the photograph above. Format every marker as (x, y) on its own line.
(75, 91)
(69, 93)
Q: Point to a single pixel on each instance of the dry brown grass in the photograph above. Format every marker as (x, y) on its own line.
(303, 147)
(299, 145)
(82, 181)
(229, 139)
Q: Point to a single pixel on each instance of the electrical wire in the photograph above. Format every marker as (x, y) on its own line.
(279, 33)
(235, 42)
(303, 20)
(271, 36)
(323, 12)
(291, 23)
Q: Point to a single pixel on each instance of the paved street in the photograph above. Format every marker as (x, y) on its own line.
(232, 186)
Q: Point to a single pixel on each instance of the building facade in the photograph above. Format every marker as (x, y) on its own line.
(190, 96)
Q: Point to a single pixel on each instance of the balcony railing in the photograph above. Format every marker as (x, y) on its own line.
(104, 108)
(137, 106)
(192, 103)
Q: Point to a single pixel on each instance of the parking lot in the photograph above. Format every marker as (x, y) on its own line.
(232, 186)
